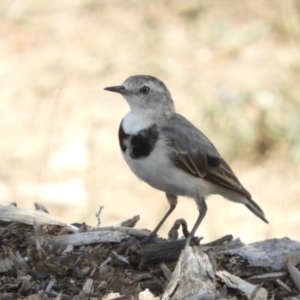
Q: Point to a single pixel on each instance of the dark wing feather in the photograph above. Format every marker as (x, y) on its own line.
(196, 165)
(196, 155)
(224, 176)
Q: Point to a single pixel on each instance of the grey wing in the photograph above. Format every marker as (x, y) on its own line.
(192, 151)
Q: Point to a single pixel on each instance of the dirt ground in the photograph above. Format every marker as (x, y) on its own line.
(45, 261)
(232, 68)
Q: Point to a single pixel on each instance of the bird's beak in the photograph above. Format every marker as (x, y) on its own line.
(117, 89)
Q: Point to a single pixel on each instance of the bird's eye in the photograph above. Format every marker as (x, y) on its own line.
(145, 90)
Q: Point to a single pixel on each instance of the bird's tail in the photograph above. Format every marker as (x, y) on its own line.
(256, 210)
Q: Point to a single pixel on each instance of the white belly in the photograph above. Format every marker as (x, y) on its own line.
(159, 172)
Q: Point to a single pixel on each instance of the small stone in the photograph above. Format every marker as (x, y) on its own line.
(102, 286)
(87, 287)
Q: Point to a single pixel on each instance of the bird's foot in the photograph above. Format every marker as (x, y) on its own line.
(193, 241)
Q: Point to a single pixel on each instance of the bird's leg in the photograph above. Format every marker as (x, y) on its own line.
(172, 199)
(202, 207)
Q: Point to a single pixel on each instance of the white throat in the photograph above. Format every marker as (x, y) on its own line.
(134, 122)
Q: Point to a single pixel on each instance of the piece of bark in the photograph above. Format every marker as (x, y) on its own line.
(110, 234)
(193, 277)
(147, 295)
(6, 265)
(268, 276)
(123, 229)
(14, 214)
(19, 261)
(155, 253)
(34, 297)
(40, 207)
(164, 251)
(293, 271)
(166, 271)
(87, 238)
(251, 291)
(261, 257)
(112, 296)
(25, 285)
(130, 222)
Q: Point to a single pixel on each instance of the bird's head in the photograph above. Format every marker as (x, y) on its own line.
(145, 94)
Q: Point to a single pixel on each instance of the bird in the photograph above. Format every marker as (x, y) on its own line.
(165, 150)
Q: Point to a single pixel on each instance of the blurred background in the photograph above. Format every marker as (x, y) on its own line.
(233, 69)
